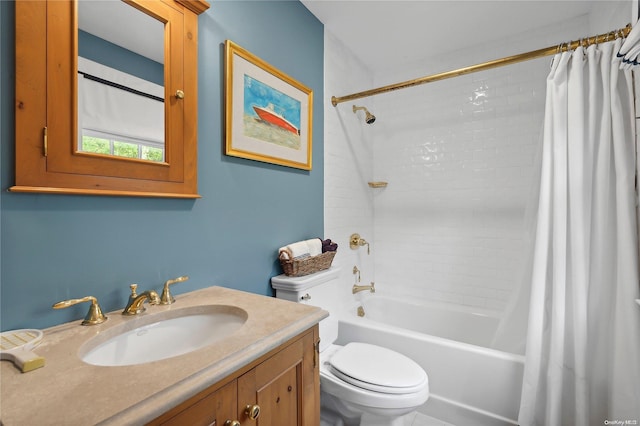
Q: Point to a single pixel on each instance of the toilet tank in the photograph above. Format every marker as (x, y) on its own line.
(318, 289)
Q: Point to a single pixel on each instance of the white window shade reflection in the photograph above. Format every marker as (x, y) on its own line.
(116, 111)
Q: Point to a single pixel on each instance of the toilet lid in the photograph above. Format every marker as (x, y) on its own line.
(378, 369)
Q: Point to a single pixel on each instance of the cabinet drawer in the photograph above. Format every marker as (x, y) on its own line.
(212, 410)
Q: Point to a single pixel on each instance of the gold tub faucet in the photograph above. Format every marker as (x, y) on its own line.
(136, 301)
(358, 288)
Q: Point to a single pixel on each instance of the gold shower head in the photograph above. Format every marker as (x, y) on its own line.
(369, 118)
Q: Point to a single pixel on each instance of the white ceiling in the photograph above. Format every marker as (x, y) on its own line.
(383, 32)
(123, 25)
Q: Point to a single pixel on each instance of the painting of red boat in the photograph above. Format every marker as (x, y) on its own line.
(269, 115)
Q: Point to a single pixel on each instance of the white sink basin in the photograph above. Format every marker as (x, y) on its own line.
(164, 335)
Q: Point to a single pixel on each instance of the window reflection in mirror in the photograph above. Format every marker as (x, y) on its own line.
(120, 81)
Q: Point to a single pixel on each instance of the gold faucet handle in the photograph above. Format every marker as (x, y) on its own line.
(93, 317)
(356, 241)
(167, 298)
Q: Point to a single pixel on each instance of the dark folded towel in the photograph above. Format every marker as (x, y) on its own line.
(328, 245)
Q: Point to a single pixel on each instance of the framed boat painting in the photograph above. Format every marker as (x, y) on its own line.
(268, 114)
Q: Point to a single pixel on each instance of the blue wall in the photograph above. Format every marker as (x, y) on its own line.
(119, 58)
(56, 247)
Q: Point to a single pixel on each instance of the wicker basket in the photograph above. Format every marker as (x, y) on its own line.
(308, 265)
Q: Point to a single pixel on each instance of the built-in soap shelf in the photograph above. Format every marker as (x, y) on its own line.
(378, 184)
(290, 288)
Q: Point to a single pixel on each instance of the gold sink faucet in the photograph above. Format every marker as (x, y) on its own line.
(93, 317)
(136, 301)
(167, 298)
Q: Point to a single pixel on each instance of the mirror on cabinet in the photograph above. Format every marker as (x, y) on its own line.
(106, 99)
(120, 81)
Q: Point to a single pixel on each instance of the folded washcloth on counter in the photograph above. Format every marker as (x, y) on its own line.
(328, 245)
(301, 249)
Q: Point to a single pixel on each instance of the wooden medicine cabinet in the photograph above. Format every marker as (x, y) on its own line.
(67, 140)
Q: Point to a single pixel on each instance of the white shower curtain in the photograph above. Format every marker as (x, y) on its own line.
(583, 342)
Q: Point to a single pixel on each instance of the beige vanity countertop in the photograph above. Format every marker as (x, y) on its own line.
(66, 391)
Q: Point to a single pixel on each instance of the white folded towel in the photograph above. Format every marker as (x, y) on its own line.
(298, 249)
(301, 249)
(315, 246)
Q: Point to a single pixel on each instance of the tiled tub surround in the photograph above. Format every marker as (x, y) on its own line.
(348, 152)
(459, 157)
(68, 391)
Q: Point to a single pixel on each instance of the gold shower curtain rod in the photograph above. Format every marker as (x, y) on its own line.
(547, 51)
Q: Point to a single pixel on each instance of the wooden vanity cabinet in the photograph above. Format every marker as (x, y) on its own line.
(212, 409)
(284, 383)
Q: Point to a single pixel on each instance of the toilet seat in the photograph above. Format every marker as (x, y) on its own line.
(356, 395)
(377, 369)
(351, 391)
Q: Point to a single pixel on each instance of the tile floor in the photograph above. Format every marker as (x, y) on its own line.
(413, 419)
(418, 419)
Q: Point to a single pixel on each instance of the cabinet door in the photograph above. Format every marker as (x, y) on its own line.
(285, 387)
(212, 410)
(48, 155)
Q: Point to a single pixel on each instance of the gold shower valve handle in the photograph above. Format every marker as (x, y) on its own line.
(231, 423)
(252, 411)
(93, 317)
(356, 241)
(179, 94)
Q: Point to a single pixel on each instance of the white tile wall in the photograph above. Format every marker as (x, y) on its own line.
(348, 167)
(459, 155)
(459, 158)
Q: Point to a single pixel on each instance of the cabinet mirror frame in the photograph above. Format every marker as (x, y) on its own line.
(47, 160)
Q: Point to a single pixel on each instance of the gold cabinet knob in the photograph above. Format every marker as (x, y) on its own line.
(252, 411)
(179, 94)
(232, 423)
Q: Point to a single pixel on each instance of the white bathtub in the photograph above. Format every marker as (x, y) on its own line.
(470, 384)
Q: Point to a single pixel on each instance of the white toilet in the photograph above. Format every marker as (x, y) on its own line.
(363, 384)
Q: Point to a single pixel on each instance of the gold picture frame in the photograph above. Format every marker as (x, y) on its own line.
(268, 114)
